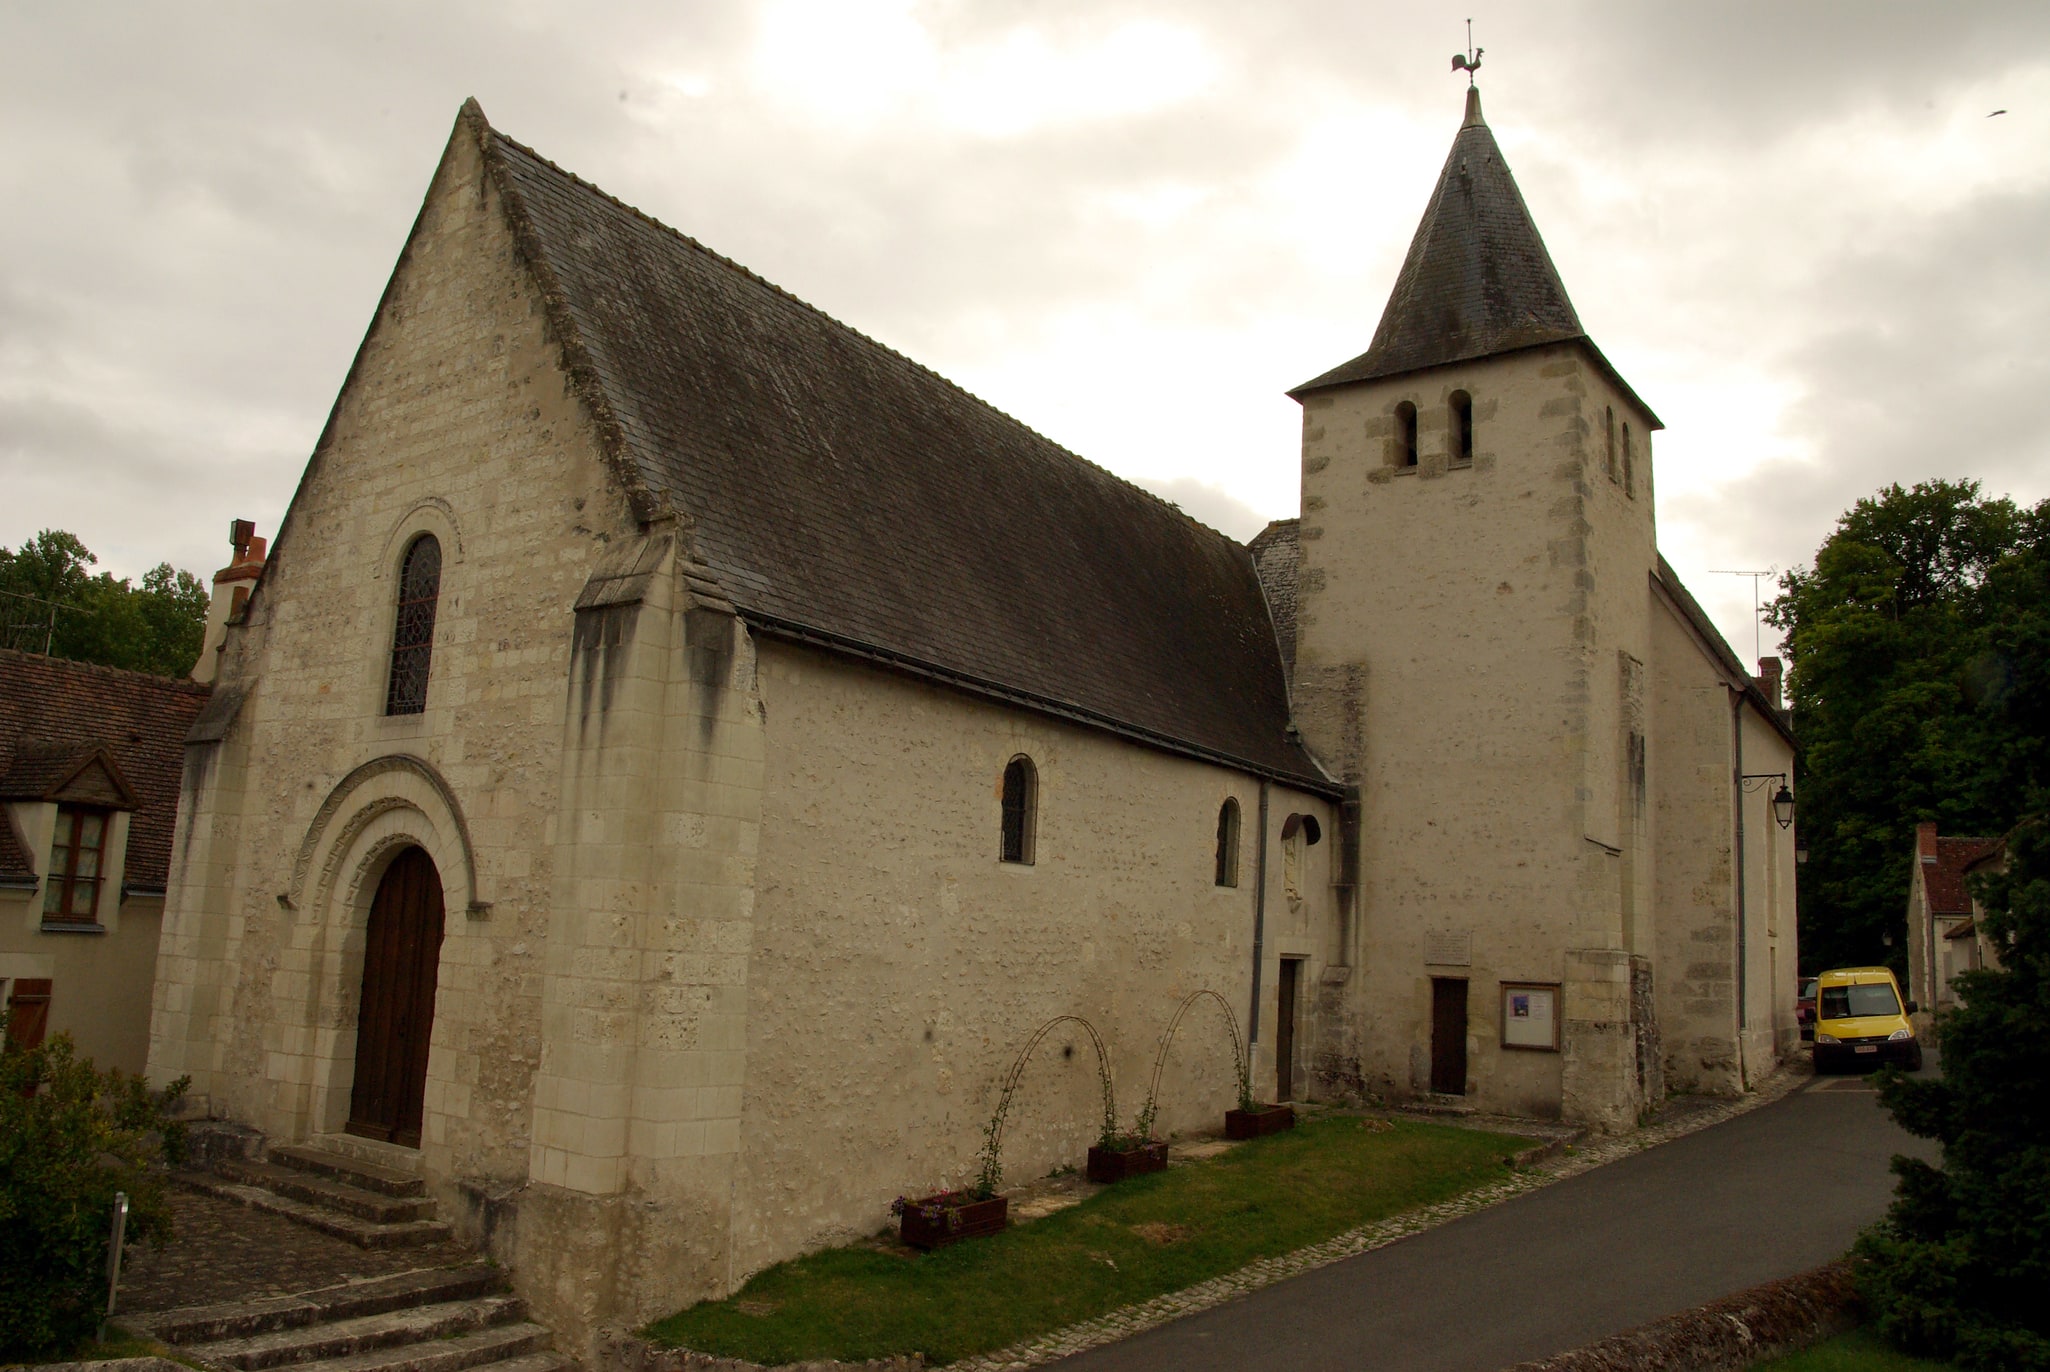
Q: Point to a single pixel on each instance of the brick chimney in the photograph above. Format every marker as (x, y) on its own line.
(1769, 674)
(232, 585)
(1925, 841)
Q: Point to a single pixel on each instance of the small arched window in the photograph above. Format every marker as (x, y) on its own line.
(1021, 802)
(1461, 406)
(1228, 843)
(1405, 435)
(1609, 437)
(1629, 474)
(412, 638)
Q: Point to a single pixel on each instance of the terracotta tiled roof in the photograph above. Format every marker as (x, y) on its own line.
(1477, 281)
(56, 712)
(844, 496)
(1943, 880)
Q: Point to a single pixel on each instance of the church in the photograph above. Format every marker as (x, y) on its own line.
(678, 750)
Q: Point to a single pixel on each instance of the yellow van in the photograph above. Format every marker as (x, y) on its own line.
(1860, 1020)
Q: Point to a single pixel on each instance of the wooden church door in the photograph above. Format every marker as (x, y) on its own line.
(400, 961)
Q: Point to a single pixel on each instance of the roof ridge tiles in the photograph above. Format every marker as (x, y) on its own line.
(758, 279)
(175, 683)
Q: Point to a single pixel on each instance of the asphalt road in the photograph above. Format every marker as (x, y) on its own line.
(1768, 1194)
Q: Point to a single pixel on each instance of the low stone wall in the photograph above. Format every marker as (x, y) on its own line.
(1735, 1332)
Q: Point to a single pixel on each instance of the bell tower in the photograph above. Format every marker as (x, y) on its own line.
(1473, 627)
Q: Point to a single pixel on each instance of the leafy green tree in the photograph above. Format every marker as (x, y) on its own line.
(1919, 675)
(54, 602)
(1961, 1264)
(71, 1136)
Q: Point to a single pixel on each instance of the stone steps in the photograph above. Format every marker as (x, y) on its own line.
(358, 1172)
(314, 1188)
(331, 1340)
(376, 1296)
(364, 1233)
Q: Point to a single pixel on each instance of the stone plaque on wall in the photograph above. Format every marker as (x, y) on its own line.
(1449, 949)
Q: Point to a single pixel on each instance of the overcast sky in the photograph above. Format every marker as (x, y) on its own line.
(1792, 226)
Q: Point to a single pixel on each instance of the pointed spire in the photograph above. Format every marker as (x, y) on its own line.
(1477, 280)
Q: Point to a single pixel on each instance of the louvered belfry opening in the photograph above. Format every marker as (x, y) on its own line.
(412, 641)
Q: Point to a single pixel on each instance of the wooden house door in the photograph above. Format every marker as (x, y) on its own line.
(1448, 1036)
(400, 961)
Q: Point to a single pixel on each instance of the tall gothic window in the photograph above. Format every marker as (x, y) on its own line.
(1461, 406)
(1405, 435)
(1021, 800)
(1228, 843)
(412, 638)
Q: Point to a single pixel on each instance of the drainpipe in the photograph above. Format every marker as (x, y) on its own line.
(1737, 744)
(1259, 925)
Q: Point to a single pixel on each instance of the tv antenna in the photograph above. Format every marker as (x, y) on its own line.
(1470, 60)
(1757, 607)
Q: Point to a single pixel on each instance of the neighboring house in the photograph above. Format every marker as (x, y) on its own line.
(89, 775)
(1943, 915)
(679, 750)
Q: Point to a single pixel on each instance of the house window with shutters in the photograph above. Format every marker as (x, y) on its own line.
(71, 893)
(412, 643)
(1021, 800)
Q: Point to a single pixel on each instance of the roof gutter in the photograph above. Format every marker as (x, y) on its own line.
(774, 627)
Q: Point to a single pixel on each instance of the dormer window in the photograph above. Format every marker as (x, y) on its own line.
(1405, 435)
(71, 894)
(1461, 407)
(412, 640)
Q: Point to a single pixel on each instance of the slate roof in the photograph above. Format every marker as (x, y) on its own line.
(54, 713)
(1943, 881)
(844, 496)
(1278, 554)
(1477, 281)
(1711, 639)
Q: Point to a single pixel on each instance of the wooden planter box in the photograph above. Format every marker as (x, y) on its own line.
(1109, 1165)
(1264, 1119)
(940, 1220)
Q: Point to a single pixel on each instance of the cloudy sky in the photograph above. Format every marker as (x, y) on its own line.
(1793, 226)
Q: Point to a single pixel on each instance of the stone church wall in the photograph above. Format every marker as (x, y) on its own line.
(898, 966)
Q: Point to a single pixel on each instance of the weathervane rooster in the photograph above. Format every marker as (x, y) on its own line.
(1470, 60)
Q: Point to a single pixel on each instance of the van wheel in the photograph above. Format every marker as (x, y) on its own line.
(1915, 1061)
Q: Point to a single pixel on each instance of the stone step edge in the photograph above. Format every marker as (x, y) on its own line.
(373, 1296)
(315, 1189)
(361, 1334)
(362, 1233)
(364, 1176)
(499, 1345)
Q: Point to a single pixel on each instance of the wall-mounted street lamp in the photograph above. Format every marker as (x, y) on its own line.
(1782, 799)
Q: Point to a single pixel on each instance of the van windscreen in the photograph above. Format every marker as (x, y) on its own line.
(1856, 1002)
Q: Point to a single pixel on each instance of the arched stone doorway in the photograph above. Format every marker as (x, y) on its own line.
(401, 958)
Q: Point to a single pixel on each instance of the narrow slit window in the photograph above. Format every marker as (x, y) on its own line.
(1462, 429)
(1609, 430)
(1021, 800)
(1405, 435)
(71, 895)
(1228, 843)
(1629, 472)
(412, 640)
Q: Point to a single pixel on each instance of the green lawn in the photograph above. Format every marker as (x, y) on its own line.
(1139, 1239)
(1858, 1351)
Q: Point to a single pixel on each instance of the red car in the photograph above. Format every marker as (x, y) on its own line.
(1804, 1008)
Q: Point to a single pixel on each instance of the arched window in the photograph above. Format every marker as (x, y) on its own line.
(1609, 432)
(1021, 802)
(412, 636)
(1629, 475)
(1462, 429)
(1405, 435)
(1228, 843)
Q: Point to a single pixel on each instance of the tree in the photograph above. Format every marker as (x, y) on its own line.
(1960, 1265)
(1919, 675)
(70, 1138)
(54, 603)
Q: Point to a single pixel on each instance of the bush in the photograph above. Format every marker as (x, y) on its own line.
(1961, 1264)
(70, 1137)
